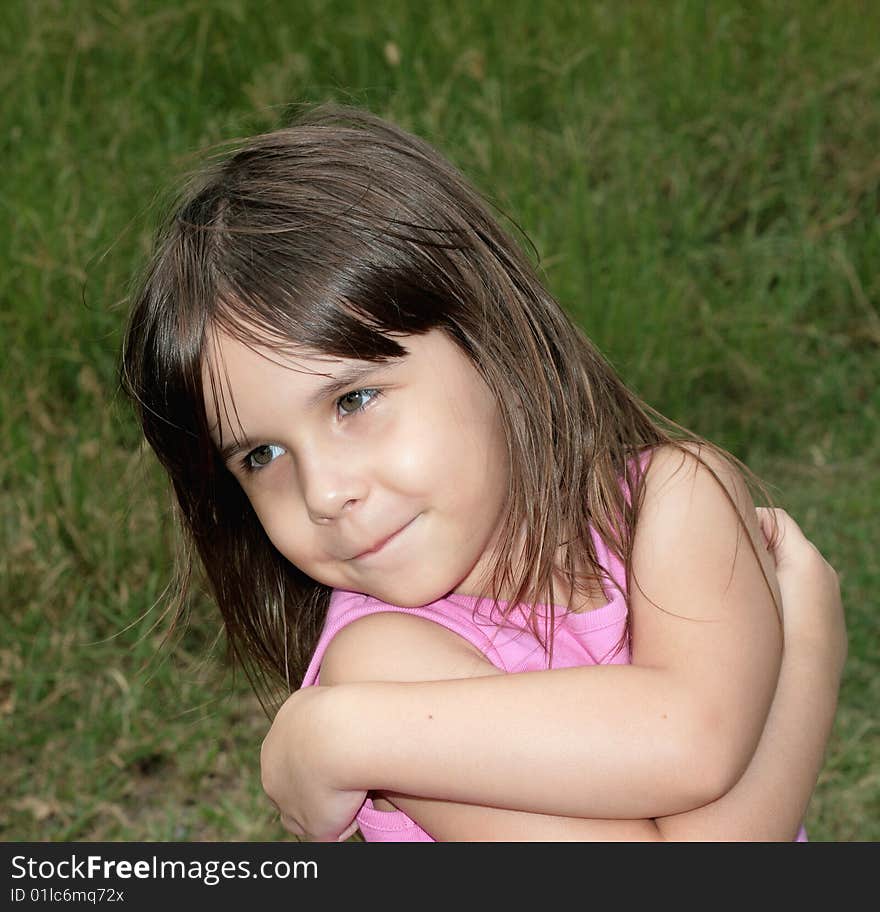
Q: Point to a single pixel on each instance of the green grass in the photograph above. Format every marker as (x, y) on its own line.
(703, 190)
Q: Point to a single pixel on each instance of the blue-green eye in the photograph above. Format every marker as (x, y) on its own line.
(356, 401)
(261, 456)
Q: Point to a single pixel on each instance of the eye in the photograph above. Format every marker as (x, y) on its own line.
(261, 456)
(356, 401)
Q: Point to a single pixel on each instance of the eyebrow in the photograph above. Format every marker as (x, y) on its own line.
(349, 377)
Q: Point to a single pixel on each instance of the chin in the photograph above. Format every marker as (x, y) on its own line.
(412, 596)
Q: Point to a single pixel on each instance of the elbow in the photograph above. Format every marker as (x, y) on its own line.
(714, 755)
(715, 775)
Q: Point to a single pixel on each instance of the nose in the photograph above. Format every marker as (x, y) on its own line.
(331, 484)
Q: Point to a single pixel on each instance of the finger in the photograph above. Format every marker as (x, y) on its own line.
(791, 535)
(772, 522)
(789, 547)
(349, 832)
(292, 826)
(765, 522)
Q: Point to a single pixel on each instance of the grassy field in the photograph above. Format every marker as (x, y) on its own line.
(702, 189)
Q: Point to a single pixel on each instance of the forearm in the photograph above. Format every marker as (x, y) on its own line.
(771, 798)
(628, 745)
(767, 804)
(451, 822)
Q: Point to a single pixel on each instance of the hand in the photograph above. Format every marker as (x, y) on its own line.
(297, 772)
(810, 587)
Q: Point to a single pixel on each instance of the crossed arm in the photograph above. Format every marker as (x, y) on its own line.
(672, 733)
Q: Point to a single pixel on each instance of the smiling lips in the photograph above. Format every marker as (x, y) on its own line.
(382, 543)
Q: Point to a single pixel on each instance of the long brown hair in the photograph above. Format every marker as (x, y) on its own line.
(332, 235)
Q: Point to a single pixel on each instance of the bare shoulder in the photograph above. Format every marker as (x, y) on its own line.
(691, 471)
(698, 522)
(395, 646)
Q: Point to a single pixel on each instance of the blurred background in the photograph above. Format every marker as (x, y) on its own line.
(700, 183)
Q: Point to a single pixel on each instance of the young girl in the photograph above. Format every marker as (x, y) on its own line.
(399, 461)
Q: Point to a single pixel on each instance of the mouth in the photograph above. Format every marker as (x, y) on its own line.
(383, 543)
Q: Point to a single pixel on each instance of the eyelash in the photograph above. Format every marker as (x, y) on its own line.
(249, 467)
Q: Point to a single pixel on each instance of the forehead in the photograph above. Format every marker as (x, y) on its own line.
(229, 358)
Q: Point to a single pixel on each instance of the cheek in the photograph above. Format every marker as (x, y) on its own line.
(495, 466)
(408, 453)
(496, 475)
(280, 523)
(486, 440)
(479, 462)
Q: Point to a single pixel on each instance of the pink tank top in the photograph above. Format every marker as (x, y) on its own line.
(588, 638)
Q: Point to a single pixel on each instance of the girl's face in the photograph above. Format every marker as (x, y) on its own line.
(388, 479)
